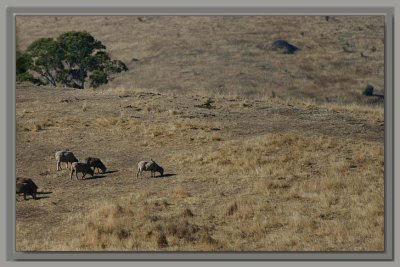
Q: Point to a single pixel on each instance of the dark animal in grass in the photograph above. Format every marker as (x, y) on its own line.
(151, 166)
(26, 186)
(82, 168)
(284, 47)
(96, 163)
(65, 156)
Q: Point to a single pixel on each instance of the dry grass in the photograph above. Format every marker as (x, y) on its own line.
(261, 151)
(164, 55)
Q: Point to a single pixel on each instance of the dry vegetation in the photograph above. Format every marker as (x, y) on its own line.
(261, 151)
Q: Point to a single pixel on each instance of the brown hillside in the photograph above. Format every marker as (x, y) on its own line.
(232, 54)
(262, 151)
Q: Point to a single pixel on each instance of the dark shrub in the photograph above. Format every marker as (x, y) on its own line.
(368, 90)
(284, 47)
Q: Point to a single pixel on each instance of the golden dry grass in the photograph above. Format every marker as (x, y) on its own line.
(261, 151)
(231, 55)
(272, 188)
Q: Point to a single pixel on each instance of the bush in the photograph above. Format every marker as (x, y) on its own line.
(368, 90)
(25, 76)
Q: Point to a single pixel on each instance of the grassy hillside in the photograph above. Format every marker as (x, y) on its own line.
(262, 151)
(232, 54)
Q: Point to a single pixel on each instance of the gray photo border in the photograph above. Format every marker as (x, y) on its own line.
(386, 255)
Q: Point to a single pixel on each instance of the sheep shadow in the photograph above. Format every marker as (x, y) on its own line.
(38, 198)
(94, 177)
(379, 96)
(44, 193)
(165, 175)
(111, 171)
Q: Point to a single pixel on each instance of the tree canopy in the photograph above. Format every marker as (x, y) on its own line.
(70, 60)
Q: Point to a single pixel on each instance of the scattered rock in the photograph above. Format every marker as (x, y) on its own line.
(133, 107)
(284, 47)
(207, 104)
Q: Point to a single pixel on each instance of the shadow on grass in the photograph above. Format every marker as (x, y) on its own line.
(43, 193)
(94, 177)
(380, 96)
(37, 197)
(157, 177)
(111, 171)
(166, 175)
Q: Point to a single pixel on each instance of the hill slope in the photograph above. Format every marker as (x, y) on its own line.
(262, 151)
(240, 174)
(232, 55)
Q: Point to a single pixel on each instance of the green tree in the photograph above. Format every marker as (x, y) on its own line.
(70, 60)
(97, 78)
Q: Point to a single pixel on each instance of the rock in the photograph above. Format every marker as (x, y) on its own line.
(284, 47)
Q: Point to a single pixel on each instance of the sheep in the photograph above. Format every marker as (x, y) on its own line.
(96, 163)
(149, 166)
(65, 156)
(81, 167)
(26, 186)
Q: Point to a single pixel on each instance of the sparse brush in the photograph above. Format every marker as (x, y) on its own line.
(84, 106)
(111, 121)
(173, 112)
(216, 137)
(188, 213)
(162, 241)
(232, 208)
(38, 126)
(180, 192)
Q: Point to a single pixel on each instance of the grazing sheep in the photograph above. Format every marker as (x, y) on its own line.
(81, 167)
(26, 186)
(65, 156)
(96, 163)
(149, 166)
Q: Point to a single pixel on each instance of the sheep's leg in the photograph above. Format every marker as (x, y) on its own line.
(76, 174)
(58, 166)
(137, 174)
(72, 172)
(83, 175)
(25, 196)
(66, 164)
